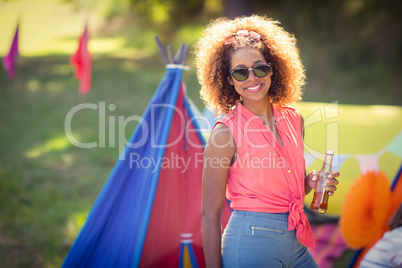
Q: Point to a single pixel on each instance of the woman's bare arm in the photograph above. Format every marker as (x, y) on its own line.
(218, 155)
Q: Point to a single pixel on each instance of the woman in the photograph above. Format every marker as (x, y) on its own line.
(250, 69)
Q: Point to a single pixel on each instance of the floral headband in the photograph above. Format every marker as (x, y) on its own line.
(244, 33)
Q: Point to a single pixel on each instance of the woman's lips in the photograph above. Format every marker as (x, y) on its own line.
(254, 88)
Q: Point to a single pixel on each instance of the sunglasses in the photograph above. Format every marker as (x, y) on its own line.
(260, 70)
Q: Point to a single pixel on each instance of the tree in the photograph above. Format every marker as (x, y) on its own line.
(238, 8)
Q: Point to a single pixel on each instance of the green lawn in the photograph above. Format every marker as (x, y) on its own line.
(48, 185)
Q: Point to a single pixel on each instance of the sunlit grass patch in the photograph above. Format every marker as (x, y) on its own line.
(58, 143)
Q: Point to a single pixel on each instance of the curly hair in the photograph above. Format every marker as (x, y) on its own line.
(213, 55)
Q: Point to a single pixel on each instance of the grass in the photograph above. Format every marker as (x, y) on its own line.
(45, 179)
(48, 185)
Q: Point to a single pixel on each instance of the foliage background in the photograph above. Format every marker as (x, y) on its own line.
(351, 50)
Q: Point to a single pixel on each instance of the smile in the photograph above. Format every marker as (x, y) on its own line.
(254, 88)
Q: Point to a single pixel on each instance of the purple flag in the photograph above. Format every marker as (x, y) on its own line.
(9, 61)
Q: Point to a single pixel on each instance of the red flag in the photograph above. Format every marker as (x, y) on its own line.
(10, 60)
(81, 61)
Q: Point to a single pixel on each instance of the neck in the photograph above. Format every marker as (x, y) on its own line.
(263, 109)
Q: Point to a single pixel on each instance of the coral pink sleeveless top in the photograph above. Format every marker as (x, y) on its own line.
(266, 176)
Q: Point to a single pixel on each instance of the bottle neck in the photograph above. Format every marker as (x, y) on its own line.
(327, 165)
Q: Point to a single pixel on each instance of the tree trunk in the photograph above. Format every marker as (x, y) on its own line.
(237, 8)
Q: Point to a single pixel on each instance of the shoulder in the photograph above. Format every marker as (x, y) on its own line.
(221, 143)
(227, 122)
(288, 110)
(220, 135)
(228, 117)
(224, 126)
(292, 114)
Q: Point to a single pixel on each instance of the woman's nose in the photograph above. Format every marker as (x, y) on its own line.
(251, 73)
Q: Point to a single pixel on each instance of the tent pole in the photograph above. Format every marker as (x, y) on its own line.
(169, 53)
(161, 49)
(184, 54)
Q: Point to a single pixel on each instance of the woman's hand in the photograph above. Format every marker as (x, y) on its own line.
(311, 180)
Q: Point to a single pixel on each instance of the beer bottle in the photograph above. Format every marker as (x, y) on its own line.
(320, 199)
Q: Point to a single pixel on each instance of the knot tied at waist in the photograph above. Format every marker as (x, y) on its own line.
(298, 220)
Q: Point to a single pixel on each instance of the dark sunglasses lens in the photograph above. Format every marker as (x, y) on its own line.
(240, 74)
(261, 70)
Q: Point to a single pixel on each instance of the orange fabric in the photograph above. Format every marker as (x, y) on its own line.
(396, 200)
(365, 210)
(268, 177)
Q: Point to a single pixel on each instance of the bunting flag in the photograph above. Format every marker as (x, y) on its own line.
(395, 146)
(341, 159)
(366, 161)
(81, 61)
(10, 61)
(309, 158)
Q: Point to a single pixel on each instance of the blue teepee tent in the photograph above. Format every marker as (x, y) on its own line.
(148, 213)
